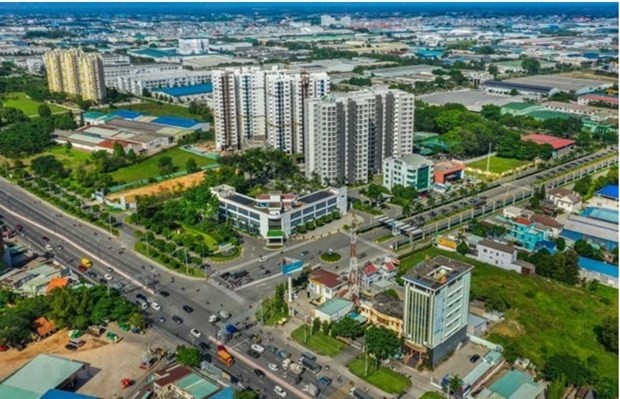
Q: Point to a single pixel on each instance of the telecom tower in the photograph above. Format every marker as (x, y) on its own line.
(354, 272)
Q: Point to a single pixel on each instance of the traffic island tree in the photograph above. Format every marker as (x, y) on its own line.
(188, 356)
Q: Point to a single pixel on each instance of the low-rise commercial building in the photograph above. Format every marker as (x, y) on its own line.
(560, 146)
(595, 99)
(411, 170)
(185, 94)
(111, 72)
(323, 285)
(333, 310)
(140, 84)
(594, 231)
(276, 216)
(505, 87)
(448, 171)
(385, 311)
(514, 384)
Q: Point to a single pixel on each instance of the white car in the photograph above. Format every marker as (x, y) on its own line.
(273, 367)
(258, 348)
(49, 247)
(213, 318)
(195, 333)
(107, 277)
(279, 391)
(156, 306)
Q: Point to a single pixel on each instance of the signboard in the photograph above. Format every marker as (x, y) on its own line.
(292, 267)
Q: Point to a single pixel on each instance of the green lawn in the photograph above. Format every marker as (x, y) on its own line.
(153, 108)
(148, 168)
(30, 107)
(385, 379)
(432, 395)
(546, 317)
(498, 165)
(333, 257)
(318, 343)
(72, 158)
(210, 241)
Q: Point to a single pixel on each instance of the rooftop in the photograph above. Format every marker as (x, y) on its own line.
(598, 267)
(518, 106)
(126, 114)
(555, 142)
(497, 246)
(609, 191)
(58, 394)
(388, 305)
(334, 306)
(187, 90)
(326, 278)
(437, 272)
(50, 372)
(43, 326)
(518, 86)
(511, 383)
(592, 227)
(560, 82)
(175, 121)
(196, 386)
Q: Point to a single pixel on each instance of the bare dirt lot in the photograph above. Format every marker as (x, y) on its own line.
(108, 363)
(588, 75)
(178, 183)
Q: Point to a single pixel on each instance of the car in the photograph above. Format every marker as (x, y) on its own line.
(258, 348)
(213, 318)
(206, 357)
(165, 294)
(44, 238)
(71, 347)
(161, 319)
(304, 253)
(59, 247)
(110, 270)
(195, 333)
(91, 274)
(4, 348)
(283, 354)
(156, 306)
(107, 277)
(140, 296)
(188, 309)
(272, 348)
(362, 255)
(203, 345)
(253, 354)
(267, 271)
(103, 280)
(259, 373)
(474, 358)
(273, 367)
(49, 247)
(279, 391)
(177, 319)
(225, 275)
(324, 380)
(19, 227)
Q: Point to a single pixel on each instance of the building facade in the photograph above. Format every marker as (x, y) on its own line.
(436, 308)
(75, 73)
(140, 83)
(112, 72)
(268, 105)
(193, 45)
(277, 215)
(410, 170)
(497, 254)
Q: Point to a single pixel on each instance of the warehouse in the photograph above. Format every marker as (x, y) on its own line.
(508, 86)
(562, 83)
(185, 94)
(560, 146)
(472, 100)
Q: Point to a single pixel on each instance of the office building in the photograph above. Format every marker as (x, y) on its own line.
(410, 170)
(114, 59)
(436, 308)
(75, 73)
(193, 45)
(275, 216)
(254, 104)
(139, 84)
(111, 72)
(348, 136)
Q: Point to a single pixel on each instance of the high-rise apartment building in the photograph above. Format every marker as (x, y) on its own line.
(436, 308)
(268, 105)
(359, 130)
(76, 73)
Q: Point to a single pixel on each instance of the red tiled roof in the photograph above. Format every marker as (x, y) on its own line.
(523, 221)
(43, 326)
(109, 143)
(555, 142)
(263, 197)
(326, 278)
(56, 282)
(369, 269)
(545, 220)
(389, 267)
(607, 99)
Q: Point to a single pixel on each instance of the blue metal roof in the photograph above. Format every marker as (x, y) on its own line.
(226, 393)
(176, 122)
(58, 394)
(599, 267)
(126, 114)
(610, 191)
(188, 90)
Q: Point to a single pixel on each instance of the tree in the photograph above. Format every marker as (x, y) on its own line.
(462, 248)
(188, 356)
(531, 65)
(326, 327)
(316, 325)
(492, 69)
(131, 156)
(246, 394)
(569, 366)
(48, 166)
(607, 333)
(381, 343)
(44, 111)
(456, 385)
(165, 165)
(557, 388)
(375, 193)
(118, 150)
(136, 319)
(491, 112)
(582, 186)
(347, 327)
(191, 166)
(14, 328)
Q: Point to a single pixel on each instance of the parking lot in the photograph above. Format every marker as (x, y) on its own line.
(460, 364)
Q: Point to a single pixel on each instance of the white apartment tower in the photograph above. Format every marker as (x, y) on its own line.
(370, 126)
(269, 105)
(225, 110)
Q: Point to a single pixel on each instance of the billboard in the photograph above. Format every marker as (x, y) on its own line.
(291, 266)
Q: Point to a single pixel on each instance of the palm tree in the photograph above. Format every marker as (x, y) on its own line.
(455, 386)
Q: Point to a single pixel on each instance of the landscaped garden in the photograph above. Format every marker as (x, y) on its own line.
(385, 379)
(28, 106)
(330, 257)
(318, 342)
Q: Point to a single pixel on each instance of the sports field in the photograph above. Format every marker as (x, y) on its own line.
(28, 106)
(498, 165)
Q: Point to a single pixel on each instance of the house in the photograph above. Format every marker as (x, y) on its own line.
(370, 275)
(44, 328)
(514, 385)
(497, 254)
(385, 311)
(565, 199)
(324, 285)
(333, 310)
(560, 146)
(526, 234)
(548, 221)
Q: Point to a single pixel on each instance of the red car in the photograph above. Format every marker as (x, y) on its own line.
(4, 348)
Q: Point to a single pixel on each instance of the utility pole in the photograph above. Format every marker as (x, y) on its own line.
(186, 265)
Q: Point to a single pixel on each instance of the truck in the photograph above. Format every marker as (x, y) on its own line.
(85, 264)
(310, 365)
(286, 363)
(311, 389)
(359, 394)
(225, 357)
(224, 314)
